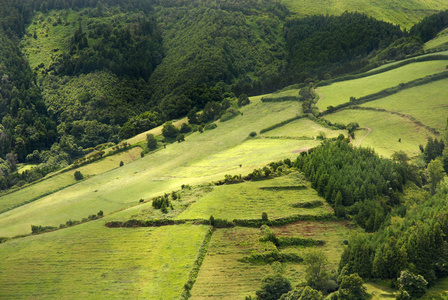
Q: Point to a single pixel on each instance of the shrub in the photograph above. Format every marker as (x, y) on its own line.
(78, 175)
(253, 134)
(121, 163)
(210, 126)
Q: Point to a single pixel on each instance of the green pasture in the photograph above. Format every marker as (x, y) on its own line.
(91, 261)
(385, 131)
(403, 13)
(222, 276)
(428, 103)
(303, 128)
(62, 180)
(248, 200)
(440, 41)
(340, 92)
(439, 289)
(165, 170)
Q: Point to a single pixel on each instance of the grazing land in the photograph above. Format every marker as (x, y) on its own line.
(340, 92)
(91, 261)
(404, 14)
(439, 42)
(428, 104)
(248, 200)
(223, 276)
(386, 130)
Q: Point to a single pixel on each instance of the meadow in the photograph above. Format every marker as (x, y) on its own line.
(439, 42)
(340, 92)
(386, 133)
(222, 276)
(427, 104)
(91, 261)
(248, 200)
(165, 170)
(58, 181)
(400, 13)
(303, 128)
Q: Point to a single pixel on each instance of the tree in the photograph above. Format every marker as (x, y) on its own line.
(180, 138)
(272, 287)
(169, 130)
(78, 175)
(414, 285)
(151, 141)
(243, 100)
(352, 288)
(435, 173)
(306, 293)
(317, 275)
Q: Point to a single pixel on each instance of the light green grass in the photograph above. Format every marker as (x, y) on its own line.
(340, 92)
(303, 128)
(248, 201)
(440, 41)
(386, 130)
(428, 103)
(403, 13)
(91, 261)
(165, 170)
(65, 179)
(222, 276)
(379, 292)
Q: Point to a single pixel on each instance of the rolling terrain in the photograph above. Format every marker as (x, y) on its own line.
(238, 206)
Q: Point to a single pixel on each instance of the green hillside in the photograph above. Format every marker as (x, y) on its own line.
(405, 14)
(203, 149)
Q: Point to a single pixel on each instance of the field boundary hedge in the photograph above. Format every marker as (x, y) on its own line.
(282, 123)
(197, 265)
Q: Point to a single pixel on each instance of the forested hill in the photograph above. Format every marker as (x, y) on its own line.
(75, 74)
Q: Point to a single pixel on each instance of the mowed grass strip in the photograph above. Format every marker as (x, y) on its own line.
(248, 200)
(65, 179)
(91, 261)
(384, 131)
(163, 171)
(404, 14)
(428, 103)
(340, 92)
(303, 128)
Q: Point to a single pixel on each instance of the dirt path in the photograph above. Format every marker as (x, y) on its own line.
(358, 142)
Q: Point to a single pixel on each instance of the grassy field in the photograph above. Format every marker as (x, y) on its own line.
(65, 179)
(385, 131)
(439, 42)
(379, 292)
(91, 261)
(427, 104)
(248, 200)
(340, 92)
(404, 14)
(303, 128)
(222, 276)
(165, 170)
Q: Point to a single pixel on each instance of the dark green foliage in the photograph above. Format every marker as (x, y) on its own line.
(185, 128)
(428, 28)
(169, 130)
(317, 274)
(306, 293)
(161, 203)
(243, 100)
(414, 285)
(344, 175)
(433, 149)
(180, 138)
(340, 40)
(210, 126)
(264, 216)
(78, 175)
(141, 123)
(352, 288)
(41, 229)
(272, 287)
(253, 134)
(308, 204)
(121, 163)
(151, 142)
(270, 257)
